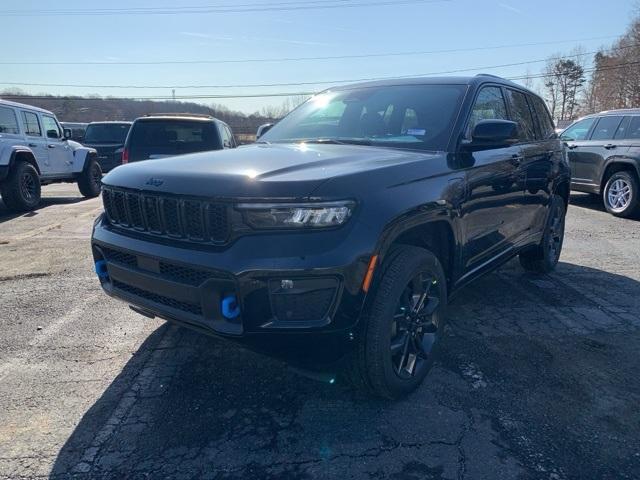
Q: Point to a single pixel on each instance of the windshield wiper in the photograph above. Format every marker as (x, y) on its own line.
(341, 141)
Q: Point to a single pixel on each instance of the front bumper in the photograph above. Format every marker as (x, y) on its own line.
(291, 288)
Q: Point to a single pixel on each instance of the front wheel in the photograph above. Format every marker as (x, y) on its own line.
(403, 325)
(545, 257)
(90, 180)
(621, 195)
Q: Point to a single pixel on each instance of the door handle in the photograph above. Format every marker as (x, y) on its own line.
(609, 146)
(33, 145)
(571, 147)
(51, 146)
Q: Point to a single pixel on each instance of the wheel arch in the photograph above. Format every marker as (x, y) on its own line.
(24, 155)
(619, 164)
(435, 232)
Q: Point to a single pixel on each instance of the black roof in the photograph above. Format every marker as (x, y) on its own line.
(471, 81)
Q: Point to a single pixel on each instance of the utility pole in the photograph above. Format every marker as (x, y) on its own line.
(173, 95)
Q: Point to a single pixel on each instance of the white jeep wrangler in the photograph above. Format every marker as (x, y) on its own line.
(35, 151)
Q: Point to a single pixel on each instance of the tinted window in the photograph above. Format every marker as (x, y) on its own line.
(51, 127)
(227, 141)
(623, 128)
(8, 121)
(490, 105)
(522, 114)
(633, 132)
(160, 138)
(106, 133)
(606, 128)
(31, 124)
(578, 131)
(400, 116)
(545, 123)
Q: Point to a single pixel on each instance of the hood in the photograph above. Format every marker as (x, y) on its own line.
(258, 170)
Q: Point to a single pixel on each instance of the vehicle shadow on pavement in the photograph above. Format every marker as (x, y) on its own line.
(6, 215)
(532, 368)
(585, 200)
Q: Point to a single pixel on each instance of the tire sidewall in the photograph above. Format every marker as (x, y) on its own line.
(633, 204)
(18, 198)
(379, 327)
(556, 203)
(91, 188)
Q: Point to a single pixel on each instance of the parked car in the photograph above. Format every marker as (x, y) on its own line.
(108, 139)
(35, 151)
(604, 154)
(167, 135)
(77, 130)
(337, 240)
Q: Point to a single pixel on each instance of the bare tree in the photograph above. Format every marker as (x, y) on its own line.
(564, 79)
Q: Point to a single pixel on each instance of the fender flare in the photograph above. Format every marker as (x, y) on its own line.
(619, 160)
(24, 151)
(80, 157)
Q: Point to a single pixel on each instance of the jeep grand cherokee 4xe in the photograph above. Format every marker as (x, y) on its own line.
(336, 241)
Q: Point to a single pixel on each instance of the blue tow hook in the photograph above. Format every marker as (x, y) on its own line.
(230, 307)
(101, 270)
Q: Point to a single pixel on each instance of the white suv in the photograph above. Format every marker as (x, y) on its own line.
(35, 151)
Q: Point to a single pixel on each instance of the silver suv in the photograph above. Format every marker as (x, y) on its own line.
(35, 151)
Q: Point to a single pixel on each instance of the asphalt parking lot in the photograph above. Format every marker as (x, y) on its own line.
(539, 378)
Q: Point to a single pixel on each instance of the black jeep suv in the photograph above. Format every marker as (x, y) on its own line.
(604, 154)
(108, 140)
(336, 241)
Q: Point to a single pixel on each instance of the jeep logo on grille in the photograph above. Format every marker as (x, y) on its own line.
(155, 182)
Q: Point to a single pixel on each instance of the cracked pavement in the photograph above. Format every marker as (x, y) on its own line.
(538, 377)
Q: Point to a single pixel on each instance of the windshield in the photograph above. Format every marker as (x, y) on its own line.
(401, 116)
(107, 133)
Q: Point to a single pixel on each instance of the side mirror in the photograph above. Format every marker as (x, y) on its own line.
(53, 133)
(262, 129)
(495, 133)
(68, 134)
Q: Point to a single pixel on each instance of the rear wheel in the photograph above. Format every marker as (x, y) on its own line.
(545, 257)
(21, 189)
(90, 180)
(621, 195)
(404, 324)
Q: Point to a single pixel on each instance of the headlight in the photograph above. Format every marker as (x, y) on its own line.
(302, 215)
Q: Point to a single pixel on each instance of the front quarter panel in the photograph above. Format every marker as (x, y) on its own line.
(80, 156)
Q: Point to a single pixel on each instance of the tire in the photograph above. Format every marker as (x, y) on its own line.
(90, 180)
(21, 189)
(545, 257)
(374, 365)
(621, 195)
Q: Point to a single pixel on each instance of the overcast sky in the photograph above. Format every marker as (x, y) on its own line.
(414, 26)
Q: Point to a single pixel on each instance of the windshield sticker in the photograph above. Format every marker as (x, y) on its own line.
(417, 132)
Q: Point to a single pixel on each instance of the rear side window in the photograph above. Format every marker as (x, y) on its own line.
(8, 121)
(545, 123)
(31, 124)
(606, 128)
(633, 132)
(522, 115)
(149, 138)
(490, 105)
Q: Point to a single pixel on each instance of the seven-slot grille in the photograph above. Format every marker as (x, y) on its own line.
(186, 219)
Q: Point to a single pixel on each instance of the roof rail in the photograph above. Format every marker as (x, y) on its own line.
(177, 114)
(489, 75)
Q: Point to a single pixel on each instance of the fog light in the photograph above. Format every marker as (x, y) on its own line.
(101, 270)
(230, 307)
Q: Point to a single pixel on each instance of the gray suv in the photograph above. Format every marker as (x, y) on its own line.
(604, 153)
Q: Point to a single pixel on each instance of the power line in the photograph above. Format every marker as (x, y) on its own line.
(301, 84)
(229, 8)
(262, 95)
(328, 57)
